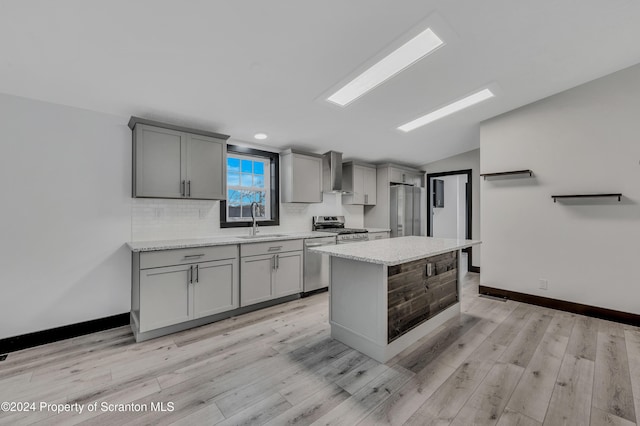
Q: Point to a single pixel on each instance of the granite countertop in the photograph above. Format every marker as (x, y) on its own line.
(394, 251)
(139, 246)
(378, 229)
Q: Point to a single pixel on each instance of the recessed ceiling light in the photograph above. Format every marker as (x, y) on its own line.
(456, 106)
(260, 136)
(401, 58)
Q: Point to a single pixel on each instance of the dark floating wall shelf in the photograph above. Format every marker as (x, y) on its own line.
(514, 172)
(618, 196)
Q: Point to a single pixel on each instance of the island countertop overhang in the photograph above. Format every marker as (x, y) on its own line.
(395, 251)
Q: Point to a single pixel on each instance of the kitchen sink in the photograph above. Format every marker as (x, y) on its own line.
(257, 237)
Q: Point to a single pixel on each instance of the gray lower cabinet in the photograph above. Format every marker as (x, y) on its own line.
(164, 297)
(172, 290)
(215, 288)
(270, 270)
(174, 163)
(176, 286)
(257, 279)
(175, 294)
(288, 274)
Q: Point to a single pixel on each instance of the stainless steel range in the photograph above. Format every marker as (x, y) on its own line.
(335, 224)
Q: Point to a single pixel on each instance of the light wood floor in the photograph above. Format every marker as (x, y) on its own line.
(499, 363)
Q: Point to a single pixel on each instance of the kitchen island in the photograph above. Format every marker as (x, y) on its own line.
(386, 294)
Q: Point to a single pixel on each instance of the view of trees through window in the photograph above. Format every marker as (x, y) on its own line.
(247, 181)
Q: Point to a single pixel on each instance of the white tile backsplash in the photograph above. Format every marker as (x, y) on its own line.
(153, 219)
(156, 219)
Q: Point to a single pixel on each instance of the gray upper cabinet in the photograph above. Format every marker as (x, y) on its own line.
(410, 177)
(205, 181)
(301, 177)
(378, 215)
(370, 186)
(176, 162)
(359, 181)
(159, 162)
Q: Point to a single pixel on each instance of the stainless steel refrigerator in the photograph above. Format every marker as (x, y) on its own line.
(406, 210)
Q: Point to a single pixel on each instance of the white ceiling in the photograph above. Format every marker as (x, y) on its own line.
(243, 66)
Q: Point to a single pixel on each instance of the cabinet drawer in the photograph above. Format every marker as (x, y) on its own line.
(272, 247)
(157, 259)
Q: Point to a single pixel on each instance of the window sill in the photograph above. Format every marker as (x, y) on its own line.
(240, 224)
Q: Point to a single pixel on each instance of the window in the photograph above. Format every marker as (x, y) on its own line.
(247, 182)
(252, 176)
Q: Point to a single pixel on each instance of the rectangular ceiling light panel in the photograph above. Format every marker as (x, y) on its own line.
(401, 58)
(454, 107)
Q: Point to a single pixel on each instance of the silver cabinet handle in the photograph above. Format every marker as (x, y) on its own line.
(277, 261)
(189, 188)
(275, 248)
(183, 192)
(197, 273)
(190, 275)
(273, 262)
(192, 256)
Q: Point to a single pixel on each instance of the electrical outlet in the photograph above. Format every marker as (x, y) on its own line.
(543, 284)
(158, 211)
(429, 269)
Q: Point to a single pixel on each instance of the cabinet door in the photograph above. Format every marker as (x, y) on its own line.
(288, 274)
(370, 186)
(397, 175)
(353, 177)
(215, 287)
(256, 276)
(307, 179)
(206, 167)
(160, 161)
(358, 185)
(416, 179)
(164, 296)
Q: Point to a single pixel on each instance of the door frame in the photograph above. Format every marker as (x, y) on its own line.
(469, 208)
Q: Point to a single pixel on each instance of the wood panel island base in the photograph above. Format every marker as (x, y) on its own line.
(385, 295)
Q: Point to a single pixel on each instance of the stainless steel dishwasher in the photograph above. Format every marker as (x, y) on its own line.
(316, 266)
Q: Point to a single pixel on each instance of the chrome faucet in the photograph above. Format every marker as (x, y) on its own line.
(254, 228)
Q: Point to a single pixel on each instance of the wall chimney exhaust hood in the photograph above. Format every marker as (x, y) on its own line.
(332, 172)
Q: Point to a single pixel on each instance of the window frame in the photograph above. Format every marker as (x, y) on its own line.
(266, 188)
(274, 184)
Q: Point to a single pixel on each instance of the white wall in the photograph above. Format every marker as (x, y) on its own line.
(450, 221)
(66, 215)
(584, 140)
(466, 160)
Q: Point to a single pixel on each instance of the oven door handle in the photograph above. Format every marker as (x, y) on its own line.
(319, 244)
